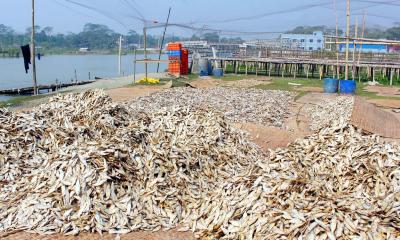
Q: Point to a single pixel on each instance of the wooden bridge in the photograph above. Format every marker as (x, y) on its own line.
(308, 67)
(52, 87)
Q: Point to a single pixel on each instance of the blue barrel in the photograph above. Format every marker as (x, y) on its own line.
(203, 67)
(331, 85)
(210, 68)
(348, 86)
(218, 72)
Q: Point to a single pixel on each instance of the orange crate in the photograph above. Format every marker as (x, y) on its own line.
(174, 46)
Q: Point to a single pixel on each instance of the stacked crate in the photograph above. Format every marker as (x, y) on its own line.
(178, 59)
(174, 57)
(185, 61)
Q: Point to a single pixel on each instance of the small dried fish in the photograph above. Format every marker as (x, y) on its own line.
(82, 163)
(268, 107)
(331, 112)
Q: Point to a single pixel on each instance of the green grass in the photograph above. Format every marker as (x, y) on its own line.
(283, 84)
(20, 100)
(231, 77)
(360, 91)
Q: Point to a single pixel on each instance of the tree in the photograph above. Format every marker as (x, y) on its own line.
(393, 33)
(211, 37)
(310, 29)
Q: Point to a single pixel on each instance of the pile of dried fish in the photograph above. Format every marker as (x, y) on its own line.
(331, 112)
(245, 83)
(238, 105)
(82, 163)
(337, 184)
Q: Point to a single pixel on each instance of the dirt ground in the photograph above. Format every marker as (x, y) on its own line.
(143, 235)
(311, 89)
(384, 91)
(129, 93)
(208, 82)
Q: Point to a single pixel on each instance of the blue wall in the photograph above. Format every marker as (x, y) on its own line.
(376, 48)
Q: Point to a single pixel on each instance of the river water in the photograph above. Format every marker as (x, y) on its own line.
(62, 68)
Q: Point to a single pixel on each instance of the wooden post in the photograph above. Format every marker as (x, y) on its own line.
(361, 46)
(307, 69)
(373, 74)
(312, 70)
(236, 67)
(76, 77)
(282, 69)
(119, 55)
(354, 50)
(246, 66)
(134, 66)
(346, 71)
(320, 72)
(336, 41)
(162, 41)
(391, 76)
(145, 51)
(33, 51)
(256, 68)
(398, 73)
(270, 69)
(224, 67)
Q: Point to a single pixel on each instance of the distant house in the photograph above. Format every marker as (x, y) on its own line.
(308, 42)
(84, 50)
(189, 44)
(394, 49)
(372, 48)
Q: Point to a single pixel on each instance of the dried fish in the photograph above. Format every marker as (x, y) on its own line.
(83, 163)
(331, 112)
(268, 107)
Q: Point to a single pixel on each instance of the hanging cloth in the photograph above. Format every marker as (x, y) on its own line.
(26, 53)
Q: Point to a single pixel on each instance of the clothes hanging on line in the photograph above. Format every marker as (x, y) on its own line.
(26, 53)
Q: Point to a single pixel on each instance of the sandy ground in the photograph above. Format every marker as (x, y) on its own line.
(311, 89)
(209, 82)
(143, 235)
(129, 93)
(111, 83)
(384, 91)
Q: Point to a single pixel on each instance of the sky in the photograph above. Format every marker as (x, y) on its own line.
(223, 15)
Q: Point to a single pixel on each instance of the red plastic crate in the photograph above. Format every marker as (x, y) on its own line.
(174, 46)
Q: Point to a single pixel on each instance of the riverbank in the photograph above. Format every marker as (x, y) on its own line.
(74, 52)
(23, 102)
(53, 69)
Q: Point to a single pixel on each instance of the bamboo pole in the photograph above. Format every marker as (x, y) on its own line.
(391, 76)
(162, 41)
(145, 50)
(33, 51)
(134, 67)
(270, 68)
(346, 74)
(119, 55)
(354, 49)
(336, 40)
